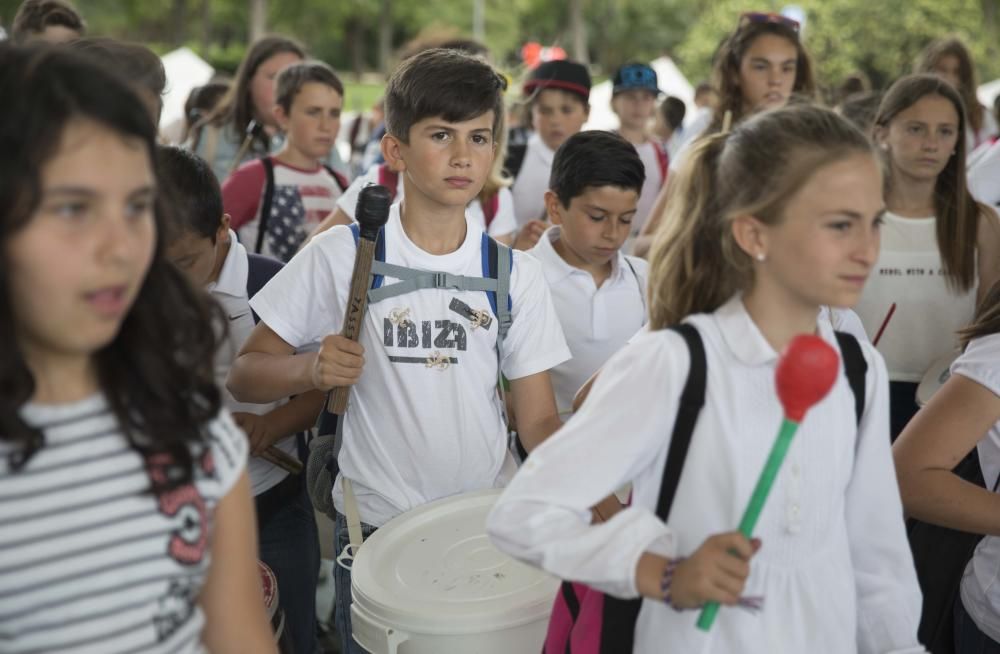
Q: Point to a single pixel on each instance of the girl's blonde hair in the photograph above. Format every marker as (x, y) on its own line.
(695, 263)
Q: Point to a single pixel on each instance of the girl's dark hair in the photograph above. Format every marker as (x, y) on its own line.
(157, 372)
(236, 107)
(695, 263)
(953, 47)
(726, 70)
(957, 212)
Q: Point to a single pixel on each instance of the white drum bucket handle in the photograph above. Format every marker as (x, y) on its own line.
(377, 637)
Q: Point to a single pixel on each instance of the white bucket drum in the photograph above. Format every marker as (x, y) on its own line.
(935, 377)
(430, 582)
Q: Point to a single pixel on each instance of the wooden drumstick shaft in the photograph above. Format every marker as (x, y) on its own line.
(356, 304)
(281, 459)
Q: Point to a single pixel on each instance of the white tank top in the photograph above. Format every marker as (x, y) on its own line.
(928, 313)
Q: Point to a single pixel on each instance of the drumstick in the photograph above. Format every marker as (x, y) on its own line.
(805, 374)
(281, 459)
(878, 335)
(252, 128)
(372, 213)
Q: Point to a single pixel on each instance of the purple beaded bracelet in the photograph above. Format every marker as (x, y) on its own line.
(667, 579)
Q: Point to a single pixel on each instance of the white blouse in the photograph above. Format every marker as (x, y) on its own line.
(835, 568)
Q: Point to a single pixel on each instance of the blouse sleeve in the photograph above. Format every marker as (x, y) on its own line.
(889, 598)
(543, 517)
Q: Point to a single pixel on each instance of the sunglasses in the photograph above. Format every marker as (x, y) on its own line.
(754, 17)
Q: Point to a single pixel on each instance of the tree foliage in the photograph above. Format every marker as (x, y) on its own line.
(881, 39)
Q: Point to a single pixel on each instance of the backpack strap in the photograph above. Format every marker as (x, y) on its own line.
(379, 253)
(498, 263)
(265, 203)
(642, 291)
(490, 207)
(663, 160)
(388, 178)
(342, 181)
(619, 616)
(260, 270)
(855, 369)
(515, 159)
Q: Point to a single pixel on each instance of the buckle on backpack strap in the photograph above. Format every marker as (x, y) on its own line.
(447, 280)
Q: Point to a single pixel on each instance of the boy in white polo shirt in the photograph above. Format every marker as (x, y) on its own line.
(424, 419)
(201, 244)
(599, 293)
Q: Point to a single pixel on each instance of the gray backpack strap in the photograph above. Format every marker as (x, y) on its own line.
(412, 279)
(504, 318)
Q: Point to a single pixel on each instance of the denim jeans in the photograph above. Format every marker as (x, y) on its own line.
(968, 638)
(289, 545)
(342, 587)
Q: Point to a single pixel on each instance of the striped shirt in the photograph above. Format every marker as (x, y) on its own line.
(90, 560)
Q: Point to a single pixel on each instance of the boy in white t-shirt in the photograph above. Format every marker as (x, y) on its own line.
(276, 201)
(425, 420)
(633, 99)
(599, 293)
(201, 244)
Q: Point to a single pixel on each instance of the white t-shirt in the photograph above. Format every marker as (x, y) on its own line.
(980, 593)
(91, 560)
(503, 221)
(650, 188)
(835, 568)
(597, 322)
(532, 181)
(230, 291)
(928, 312)
(984, 176)
(424, 421)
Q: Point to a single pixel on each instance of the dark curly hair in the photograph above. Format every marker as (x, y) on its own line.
(157, 372)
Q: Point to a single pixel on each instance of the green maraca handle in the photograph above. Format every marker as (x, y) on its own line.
(756, 504)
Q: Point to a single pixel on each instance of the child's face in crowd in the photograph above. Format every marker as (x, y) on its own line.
(921, 138)
(828, 239)
(635, 108)
(76, 267)
(447, 162)
(196, 256)
(557, 115)
(57, 34)
(595, 225)
(262, 85)
(948, 68)
(312, 124)
(767, 72)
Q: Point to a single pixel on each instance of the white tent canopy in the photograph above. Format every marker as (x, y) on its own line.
(185, 71)
(670, 79)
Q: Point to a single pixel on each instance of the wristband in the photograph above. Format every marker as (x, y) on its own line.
(667, 579)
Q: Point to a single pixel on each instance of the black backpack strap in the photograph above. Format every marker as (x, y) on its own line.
(515, 159)
(265, 203)
(618, 627)
(855, 369)
(260, 270)
(342, 181)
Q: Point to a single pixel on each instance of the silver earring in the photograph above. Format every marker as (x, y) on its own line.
(761, 257)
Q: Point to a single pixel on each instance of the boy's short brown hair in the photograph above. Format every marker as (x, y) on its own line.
(292, 78)
(446, 83)
(33, 16)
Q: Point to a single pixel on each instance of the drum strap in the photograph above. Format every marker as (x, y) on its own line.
(352, 515)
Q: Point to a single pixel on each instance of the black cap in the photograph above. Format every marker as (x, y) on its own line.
(562, 74)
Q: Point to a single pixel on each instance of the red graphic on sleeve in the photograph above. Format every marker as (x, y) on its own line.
(189, 539)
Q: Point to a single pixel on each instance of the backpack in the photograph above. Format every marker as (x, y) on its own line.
(389, 178)
(267, 198)
(586, 621)
(940, 556)
(497, 265)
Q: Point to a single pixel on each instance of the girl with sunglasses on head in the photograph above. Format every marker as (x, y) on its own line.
(761, 65)
(773, 220)
(127, 522)
(940, 248)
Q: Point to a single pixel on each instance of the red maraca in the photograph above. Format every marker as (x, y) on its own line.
(806, 372)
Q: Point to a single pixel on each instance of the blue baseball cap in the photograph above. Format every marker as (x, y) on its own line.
(635, 76)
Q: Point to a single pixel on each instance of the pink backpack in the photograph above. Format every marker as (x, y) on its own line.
(586, 621)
